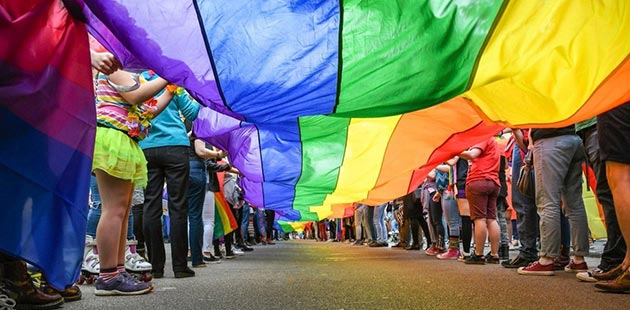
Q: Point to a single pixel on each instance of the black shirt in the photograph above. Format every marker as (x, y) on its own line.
(542, 133)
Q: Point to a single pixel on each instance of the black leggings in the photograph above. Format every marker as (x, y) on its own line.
(435, 217)
(425, 229)
(416, 223)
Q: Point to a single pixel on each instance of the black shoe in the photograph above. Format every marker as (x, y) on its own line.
(157, 274)
(211, 259)
(475, 259)
(492, 259)
(229, 255)
(517, 262)
(245, 248)
(186, 273)
(413, 248)
(377, 244)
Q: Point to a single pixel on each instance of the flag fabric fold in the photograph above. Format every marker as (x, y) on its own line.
(224, 220)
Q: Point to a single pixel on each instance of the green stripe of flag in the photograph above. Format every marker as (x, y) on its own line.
(407, 55)
(323, 148)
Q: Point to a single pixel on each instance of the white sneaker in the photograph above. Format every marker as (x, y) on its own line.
(587, 276)
(238, 251)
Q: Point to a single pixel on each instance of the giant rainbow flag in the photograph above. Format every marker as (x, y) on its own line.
(322, 103)
(47, 129)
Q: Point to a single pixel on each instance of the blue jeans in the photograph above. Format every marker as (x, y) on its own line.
(379, 223)
(451, 214)
(259, 222)
(196, 195)
(94, 214)
(526, 216)
(245, 221)
(558, 161)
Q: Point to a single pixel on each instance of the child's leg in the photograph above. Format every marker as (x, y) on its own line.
(122, 245)
(115, 199)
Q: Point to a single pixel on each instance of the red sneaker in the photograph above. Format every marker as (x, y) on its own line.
(536, 269)
(573, 267)
(434, 250)
(450, 254)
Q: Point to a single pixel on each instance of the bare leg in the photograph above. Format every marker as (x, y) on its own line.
(464, 207)
(619, 180)
(122, 246)
(493, 235)
(481, 233)
(115, 200)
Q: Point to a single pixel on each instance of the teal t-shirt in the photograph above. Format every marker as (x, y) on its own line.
(168, 129)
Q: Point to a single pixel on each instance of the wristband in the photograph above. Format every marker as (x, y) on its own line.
(171, 88)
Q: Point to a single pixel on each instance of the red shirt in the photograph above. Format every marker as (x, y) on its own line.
(486, 165)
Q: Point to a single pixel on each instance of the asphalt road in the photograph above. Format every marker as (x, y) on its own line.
(299, 274)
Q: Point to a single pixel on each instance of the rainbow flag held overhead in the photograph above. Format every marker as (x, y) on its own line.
(47, 130)
(324, 103)
(357, 105)
(334, 102)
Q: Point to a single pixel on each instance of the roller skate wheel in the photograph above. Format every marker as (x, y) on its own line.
(90, 280)
(146, 277)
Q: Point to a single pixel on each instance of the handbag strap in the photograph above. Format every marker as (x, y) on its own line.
(529, 158)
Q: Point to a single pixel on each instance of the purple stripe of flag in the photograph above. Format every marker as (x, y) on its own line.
(175, 51)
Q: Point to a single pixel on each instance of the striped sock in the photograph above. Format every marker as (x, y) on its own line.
(107, 274)
(120, 268)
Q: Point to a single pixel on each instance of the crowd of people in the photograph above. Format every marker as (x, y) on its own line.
(472, 201)
(145, 145)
